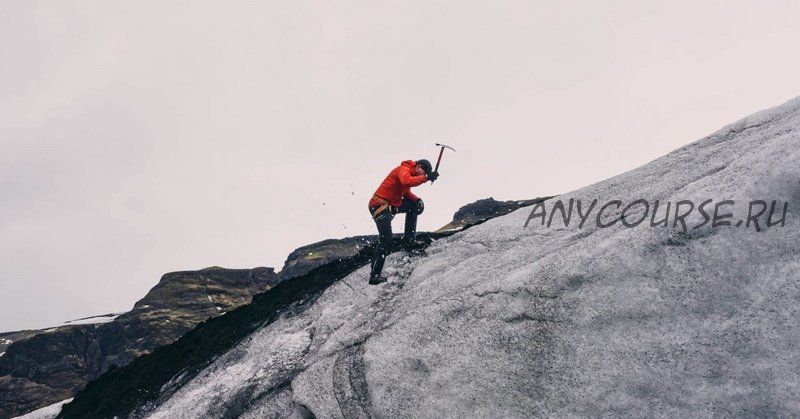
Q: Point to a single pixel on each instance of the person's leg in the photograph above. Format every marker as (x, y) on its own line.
(410, 231)
(384, 224)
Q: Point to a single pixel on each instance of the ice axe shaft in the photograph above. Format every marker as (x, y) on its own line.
(441, 152)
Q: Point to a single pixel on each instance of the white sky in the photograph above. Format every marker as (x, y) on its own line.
(138, 138)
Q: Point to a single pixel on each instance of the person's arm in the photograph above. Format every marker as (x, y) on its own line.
(411, 196)
(406, 179)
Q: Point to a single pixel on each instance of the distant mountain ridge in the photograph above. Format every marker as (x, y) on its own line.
(42, 367)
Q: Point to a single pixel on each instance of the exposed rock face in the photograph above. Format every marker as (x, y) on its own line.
(306, 258)
(47, 367)
(484, 209)
(43, 367)
(6, 339)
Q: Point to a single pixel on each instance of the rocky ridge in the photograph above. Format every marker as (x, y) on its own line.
(39, 368)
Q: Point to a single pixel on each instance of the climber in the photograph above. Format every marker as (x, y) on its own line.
(394, 196)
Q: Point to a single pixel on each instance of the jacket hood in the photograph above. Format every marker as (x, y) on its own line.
(409, 163)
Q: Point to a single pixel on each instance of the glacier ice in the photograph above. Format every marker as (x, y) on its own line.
(505, 321)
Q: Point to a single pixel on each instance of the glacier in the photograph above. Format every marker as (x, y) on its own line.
(501, 320)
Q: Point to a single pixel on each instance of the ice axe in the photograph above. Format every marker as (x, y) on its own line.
(441, 151)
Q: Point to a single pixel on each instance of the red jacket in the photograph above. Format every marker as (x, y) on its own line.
(398, 185)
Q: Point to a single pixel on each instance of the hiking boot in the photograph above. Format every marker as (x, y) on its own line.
(375, 280)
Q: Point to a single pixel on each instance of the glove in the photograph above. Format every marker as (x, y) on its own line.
(420, 207)
(433, 176)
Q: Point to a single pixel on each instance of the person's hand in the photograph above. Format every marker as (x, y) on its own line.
(420, 207)
(433, 176)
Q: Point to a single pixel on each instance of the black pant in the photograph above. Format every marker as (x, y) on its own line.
(384, 223)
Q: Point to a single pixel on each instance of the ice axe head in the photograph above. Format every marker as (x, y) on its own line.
(445, 146)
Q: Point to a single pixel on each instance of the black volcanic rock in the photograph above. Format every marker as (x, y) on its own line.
(43, 367)
(484, 209)
(304, 259)
(7, 338)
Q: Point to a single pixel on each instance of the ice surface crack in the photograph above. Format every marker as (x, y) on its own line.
(350, 384)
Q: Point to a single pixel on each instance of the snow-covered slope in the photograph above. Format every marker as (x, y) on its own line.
(47, 412)
(506, 320)
(104, 318)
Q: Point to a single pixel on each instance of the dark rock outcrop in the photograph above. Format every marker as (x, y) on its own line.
(304, 259)
(7, 338)
(43, 367)
(484, 209)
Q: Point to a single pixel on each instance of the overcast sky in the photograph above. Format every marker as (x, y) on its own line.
(143, 137)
